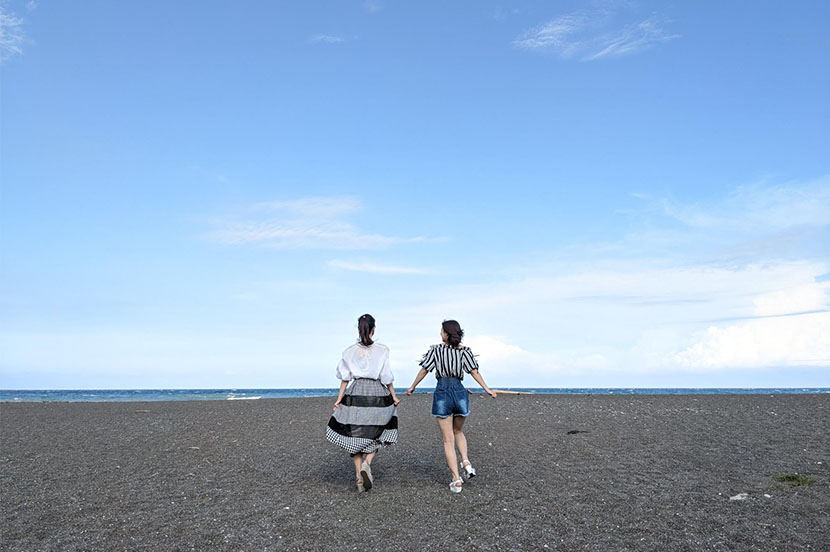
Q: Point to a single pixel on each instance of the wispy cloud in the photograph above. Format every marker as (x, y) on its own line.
(376, 268)
(305, 223)
(633, 38)
(326, 39)
(750, 223)
(11, 34)
(312, 206)
(656, 304)
(587, 36)
(372, 6)
(759, 208)
(557, 34)
(641, 318)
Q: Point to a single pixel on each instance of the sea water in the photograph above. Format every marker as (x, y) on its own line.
(137, 395)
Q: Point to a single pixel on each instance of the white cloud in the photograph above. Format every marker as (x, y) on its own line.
(11, 34)
(503, 361)
(792, 329)
(806, 298)
(591, 35)
(325, 39)
(665, 302)
(802, 340)
(375, 268)
(621, 314)
(759, 208)
(633, 319)
(494, 347)
(305, 223)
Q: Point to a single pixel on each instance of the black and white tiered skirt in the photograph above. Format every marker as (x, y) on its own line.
(366, 418)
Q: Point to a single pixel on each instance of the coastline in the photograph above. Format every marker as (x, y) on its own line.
(238, 394)
(644, 472)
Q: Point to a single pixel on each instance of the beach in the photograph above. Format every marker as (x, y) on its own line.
(556, 472)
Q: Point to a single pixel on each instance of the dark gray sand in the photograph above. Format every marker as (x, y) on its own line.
(649, 473)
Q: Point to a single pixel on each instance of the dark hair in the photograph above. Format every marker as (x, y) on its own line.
(453, 331)
(365, 325)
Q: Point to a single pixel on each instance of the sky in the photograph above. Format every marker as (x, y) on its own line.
(603, 193)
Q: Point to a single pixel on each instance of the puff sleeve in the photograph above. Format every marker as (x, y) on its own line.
(468, 360)
(430, 359)
(343, 372)
(385, 375)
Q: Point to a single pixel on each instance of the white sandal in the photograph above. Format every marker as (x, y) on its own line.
(468, 468)
(455, 486)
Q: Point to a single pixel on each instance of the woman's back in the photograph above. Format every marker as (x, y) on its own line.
(361, 361)
(449, 362)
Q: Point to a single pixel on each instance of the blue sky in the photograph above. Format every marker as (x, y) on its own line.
(208, 194)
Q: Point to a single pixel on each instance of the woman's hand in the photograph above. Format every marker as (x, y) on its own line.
(410, 390)
(492, 393)
(336, 405)
(396, 401)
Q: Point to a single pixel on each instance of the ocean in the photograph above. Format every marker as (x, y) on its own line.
(139, 395)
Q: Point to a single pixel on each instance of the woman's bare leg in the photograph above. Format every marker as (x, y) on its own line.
(368, 457)
(445, 424)
(460, 439)
(358, 460)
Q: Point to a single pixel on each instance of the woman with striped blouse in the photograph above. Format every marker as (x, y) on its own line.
(450, 402)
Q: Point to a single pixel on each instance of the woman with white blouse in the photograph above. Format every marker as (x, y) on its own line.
(450, 402)
(365, 413)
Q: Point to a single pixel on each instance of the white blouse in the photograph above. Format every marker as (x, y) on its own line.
(360, 361)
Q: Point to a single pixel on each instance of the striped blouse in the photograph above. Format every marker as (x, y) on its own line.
(449, 362)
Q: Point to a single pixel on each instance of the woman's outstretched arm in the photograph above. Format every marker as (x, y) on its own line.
(476, 376)
(421, 375)
(343, 386)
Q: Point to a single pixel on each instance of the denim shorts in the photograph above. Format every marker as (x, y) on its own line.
(450, 398)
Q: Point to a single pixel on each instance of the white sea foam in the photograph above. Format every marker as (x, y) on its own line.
(243, 398)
